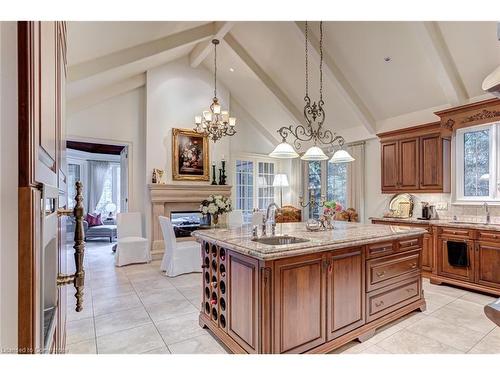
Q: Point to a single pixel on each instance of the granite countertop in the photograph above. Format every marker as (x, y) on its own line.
(344, 235)
(465, 223)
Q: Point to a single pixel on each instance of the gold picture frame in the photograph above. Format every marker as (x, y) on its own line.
(190, 160)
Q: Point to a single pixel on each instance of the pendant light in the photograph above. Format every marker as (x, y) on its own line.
(314, 116)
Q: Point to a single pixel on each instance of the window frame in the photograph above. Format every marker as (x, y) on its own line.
(494, 165)
(255, 159)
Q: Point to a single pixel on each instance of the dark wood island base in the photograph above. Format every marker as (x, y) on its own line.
(312, 303)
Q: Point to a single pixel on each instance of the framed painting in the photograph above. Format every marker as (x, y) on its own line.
(190, 156)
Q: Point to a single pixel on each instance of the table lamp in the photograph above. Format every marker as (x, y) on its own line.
(111, 208)
(281, 181)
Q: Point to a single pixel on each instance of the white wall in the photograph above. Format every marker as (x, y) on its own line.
(121, 120)
(8, 186)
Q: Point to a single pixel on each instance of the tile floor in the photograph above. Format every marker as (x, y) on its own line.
(136, 309)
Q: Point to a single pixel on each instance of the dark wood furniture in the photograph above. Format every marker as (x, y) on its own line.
(42, 167)
(309, 303)
(483, 252)
(416, 159)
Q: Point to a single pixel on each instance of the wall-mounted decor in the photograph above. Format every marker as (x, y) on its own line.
(157, 177)
(190, 156)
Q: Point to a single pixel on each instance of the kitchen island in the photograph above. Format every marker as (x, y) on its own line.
(307, 292)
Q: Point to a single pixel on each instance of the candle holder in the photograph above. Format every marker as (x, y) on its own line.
(222, 173)
(214, 181)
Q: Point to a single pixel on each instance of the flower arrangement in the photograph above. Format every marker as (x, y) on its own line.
(214, 206)
(331, 208)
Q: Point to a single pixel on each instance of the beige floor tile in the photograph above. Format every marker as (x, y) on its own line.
(490, 344)
(163, 350)
(108, 292)
(103, 282)
(375, 349)
(131, 341)
(460, 338)
(154, 297)
(465, 314)
(391, 328)
(406, 342)
(79, 330)
(82, 347)
(152, 285)
(205, 344)
(187, 280)
(115, 304)
(118, 321)
(180, 328)
(73, 315)
(481, 299)
(171, 309)
(444, 289)
(435, 301)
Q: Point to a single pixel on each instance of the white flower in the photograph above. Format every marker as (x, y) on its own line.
(204, 210)
(211, 198)
(212, 208)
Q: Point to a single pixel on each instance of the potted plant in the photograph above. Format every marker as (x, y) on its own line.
(329, 211)
(214, 206)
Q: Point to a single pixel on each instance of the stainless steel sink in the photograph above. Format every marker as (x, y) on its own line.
(279, 240)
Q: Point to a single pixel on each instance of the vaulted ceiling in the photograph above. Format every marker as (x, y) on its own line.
(373, 71)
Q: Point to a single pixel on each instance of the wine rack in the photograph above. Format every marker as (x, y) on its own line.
(215, 284)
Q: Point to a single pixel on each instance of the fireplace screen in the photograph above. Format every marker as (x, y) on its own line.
(185, 222)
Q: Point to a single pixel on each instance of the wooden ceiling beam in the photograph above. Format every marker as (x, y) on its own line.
(139, 52)
(203, 49)
(264, 78)
(432, 40)
(345, 88)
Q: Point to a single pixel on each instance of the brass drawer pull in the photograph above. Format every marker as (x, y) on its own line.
(378, 304)
(380, 274)
(410, 290)
(413, 265)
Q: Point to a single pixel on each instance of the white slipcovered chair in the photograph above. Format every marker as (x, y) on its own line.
(179, 257)
(131, 246)
(235, 218)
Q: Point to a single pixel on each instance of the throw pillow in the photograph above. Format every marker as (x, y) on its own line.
(93, 220)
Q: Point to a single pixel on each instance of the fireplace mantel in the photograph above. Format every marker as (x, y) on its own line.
(166, 198)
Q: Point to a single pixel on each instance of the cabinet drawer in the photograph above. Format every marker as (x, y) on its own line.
(489, 236)
(410, 244)
(390, 269)
(390, 298)
(456, 232)
(379, 249)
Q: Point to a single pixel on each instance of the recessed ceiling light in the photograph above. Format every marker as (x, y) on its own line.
(231, 70)
(387, 59)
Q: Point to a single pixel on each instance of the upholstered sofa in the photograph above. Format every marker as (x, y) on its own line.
(107, 230)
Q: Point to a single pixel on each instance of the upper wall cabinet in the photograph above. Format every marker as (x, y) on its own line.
(416, 159)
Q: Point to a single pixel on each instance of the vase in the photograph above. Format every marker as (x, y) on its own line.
(215, 220)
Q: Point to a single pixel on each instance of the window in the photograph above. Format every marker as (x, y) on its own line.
(74, 174)
(253, 185)
(325, 179)
(477, 163)
(111, 192)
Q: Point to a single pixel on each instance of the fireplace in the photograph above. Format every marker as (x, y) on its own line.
(177, 198)
(185, 222)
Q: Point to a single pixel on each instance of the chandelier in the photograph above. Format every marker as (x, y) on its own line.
(314, 115)
(215, 123)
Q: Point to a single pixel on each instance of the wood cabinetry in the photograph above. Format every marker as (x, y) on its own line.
(487, 263)
(416, 159)
(444, 268)
(345, 291)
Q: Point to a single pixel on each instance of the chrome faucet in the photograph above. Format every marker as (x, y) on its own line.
(266, 219)
(486, 207)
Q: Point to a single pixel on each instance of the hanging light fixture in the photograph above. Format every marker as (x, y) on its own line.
(314, 115)
(215, 123)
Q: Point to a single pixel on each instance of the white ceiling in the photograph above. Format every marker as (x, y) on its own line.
(408, 83)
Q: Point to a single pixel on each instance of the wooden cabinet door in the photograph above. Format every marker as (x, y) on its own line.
(409, 164)
(487, 264)
(444, 268)
(299, 302)
(427, 256)
(390, 166)
(431, 163)
(345, 292)
(242, 300)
